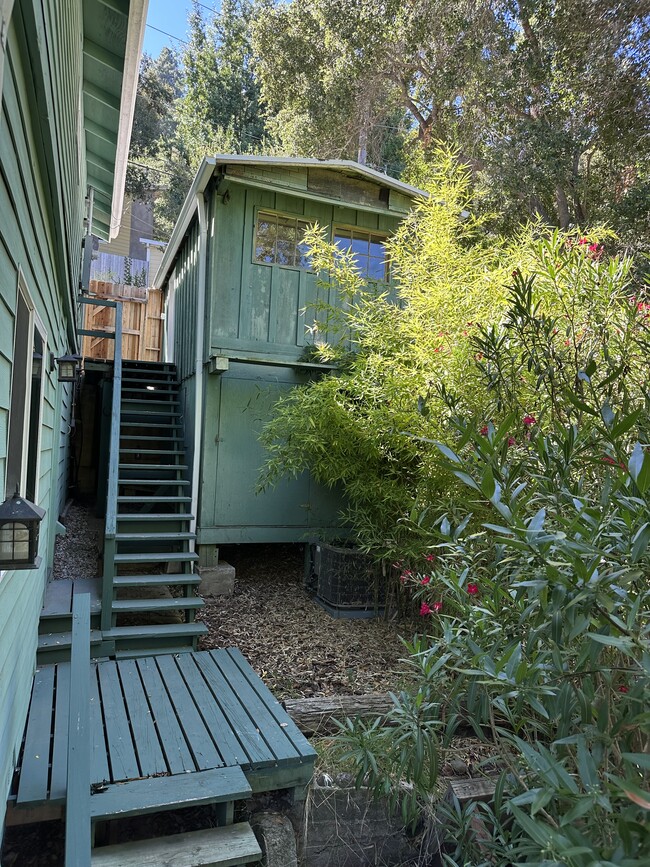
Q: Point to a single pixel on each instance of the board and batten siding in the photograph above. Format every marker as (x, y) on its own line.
(42, 188)
(261, 308)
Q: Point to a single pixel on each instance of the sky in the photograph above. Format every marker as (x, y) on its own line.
(171, 17)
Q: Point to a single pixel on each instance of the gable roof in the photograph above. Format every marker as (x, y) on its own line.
(211, 165)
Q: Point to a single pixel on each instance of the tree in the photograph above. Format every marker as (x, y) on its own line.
(546, 100)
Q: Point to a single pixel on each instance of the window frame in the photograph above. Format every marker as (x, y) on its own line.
(34, 323)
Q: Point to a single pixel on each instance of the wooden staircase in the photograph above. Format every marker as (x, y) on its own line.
(149, 560)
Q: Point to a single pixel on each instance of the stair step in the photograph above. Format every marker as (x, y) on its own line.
(155, 580)
(146, 402)
(226, 846)
(154, 537)
(146, 651)
(157, 557)
(159, 426)
(155, 794)
(151, 438)
(132, 482)
(143, 466)
(159, 630)
(63, 640)
(158, 500)
(137, 449)
(147, 380)
(121, 606)
(155, 516)
(150, 413)
(161, 386)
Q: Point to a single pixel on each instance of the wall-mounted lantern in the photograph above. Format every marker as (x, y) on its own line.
(69, 367)
(19, 528)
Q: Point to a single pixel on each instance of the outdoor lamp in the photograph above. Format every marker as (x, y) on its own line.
(19, 528)
(68, 367)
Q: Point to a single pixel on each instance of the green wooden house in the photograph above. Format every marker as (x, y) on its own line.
(239, 289)
(68, 73)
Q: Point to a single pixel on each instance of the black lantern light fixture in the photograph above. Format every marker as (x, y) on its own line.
(19, 527)
(69, 367)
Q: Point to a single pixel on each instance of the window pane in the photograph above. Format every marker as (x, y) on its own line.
(360, 244)
(342, 239)
(376, 269)
(265, 238)
(286, 243)
(377, 248)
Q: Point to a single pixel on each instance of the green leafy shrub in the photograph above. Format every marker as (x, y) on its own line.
(539, 618)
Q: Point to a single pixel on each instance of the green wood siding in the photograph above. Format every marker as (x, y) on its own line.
(238, 403)
(42, 191)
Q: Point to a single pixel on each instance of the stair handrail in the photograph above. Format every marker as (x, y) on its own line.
(110, 528)
(114, 458)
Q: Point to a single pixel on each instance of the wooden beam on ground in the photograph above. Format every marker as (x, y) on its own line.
(316, 715)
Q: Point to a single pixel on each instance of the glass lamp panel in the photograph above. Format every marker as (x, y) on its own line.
(14, 543)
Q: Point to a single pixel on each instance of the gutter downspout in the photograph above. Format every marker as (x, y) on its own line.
(198, 365)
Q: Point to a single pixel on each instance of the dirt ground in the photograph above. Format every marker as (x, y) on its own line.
(292, 643)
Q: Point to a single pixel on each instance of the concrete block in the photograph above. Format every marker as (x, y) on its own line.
(217, 580)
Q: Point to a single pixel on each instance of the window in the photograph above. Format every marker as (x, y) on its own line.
(26, 399)
(368, 250)
(279, 240)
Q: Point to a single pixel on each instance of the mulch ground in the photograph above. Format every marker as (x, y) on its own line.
(292, 643)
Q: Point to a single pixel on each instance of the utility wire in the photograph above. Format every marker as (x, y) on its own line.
(171, 35)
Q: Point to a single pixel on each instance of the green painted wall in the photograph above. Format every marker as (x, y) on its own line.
(42, 189)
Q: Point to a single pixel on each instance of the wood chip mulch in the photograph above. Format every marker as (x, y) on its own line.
(292, 643)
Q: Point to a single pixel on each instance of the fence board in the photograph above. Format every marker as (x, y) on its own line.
(142, 317)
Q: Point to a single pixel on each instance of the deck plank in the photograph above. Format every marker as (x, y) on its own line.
(178, 755)
(59, 775)
(276, 710)
(223, 730)
(91, 586)
(99, 770)
(123, 761)
(280, 745)
(34, 774)
(206, 754)
(147, 746)
(236, 712)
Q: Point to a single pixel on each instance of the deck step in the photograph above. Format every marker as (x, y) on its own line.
(155, 537)
(227, 846)
(146, 651)
(154, 516)
(169, 579)
(164, 437)
(155, 631)
(158, 557)
(120, 606)
(158, 500)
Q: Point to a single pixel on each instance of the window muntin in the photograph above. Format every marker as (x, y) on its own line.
(368, 250)
(279, 240)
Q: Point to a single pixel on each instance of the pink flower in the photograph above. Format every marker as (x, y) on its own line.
(405, 576)
(606, 459)
(425, 580)
(437, 606)
(472, 589)
(430, 557)
(484, 430)
(512, 441)
(623, 689)
(529, 420)
(425, 609)
(583, 241)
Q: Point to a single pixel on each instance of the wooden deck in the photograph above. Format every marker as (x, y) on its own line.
(156, 718)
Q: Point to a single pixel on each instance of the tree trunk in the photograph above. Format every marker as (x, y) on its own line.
(316, 715)
(562, 207)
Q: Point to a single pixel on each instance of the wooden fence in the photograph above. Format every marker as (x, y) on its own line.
(142, 321)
